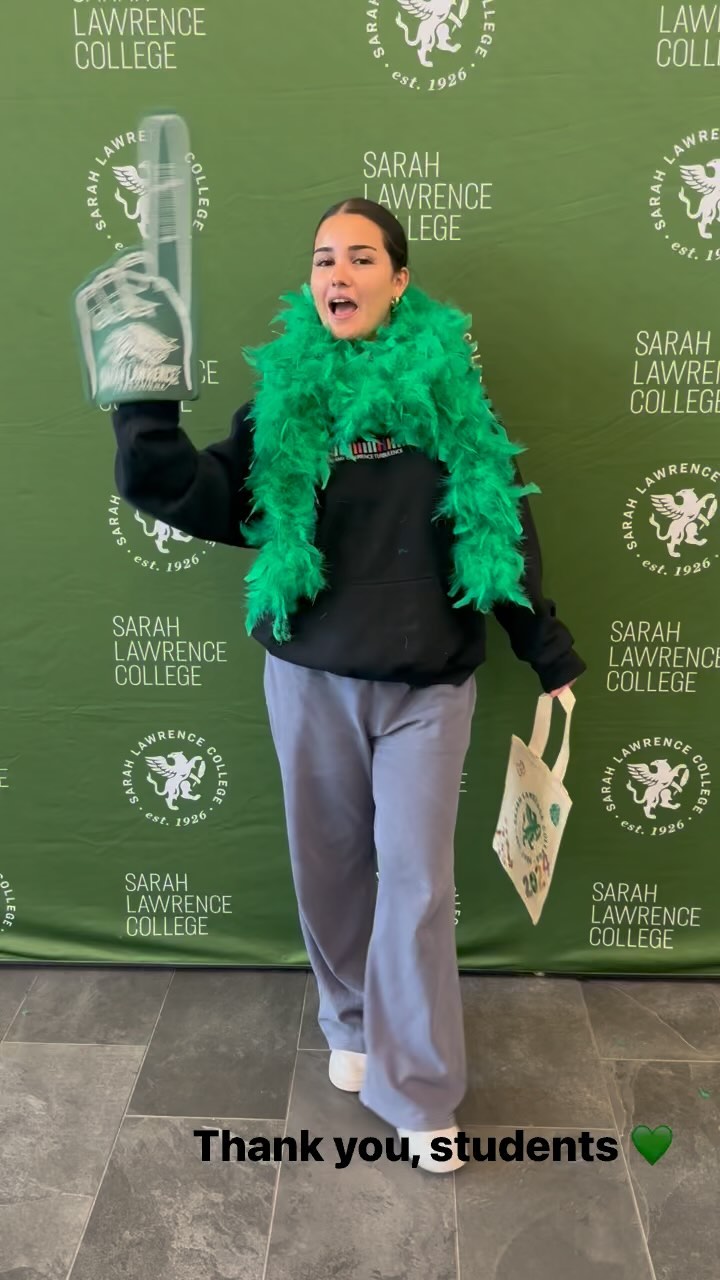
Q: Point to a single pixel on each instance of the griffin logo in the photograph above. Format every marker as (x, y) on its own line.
(138, 354)
(429, 44)
(178, 775)
(150, 539)
(531, 839)
(708, 187)
(128, 176)
(672, 532)
(664, 778)
(687, 514)
(660, 782)
(113, 180)
(685, 195)
(435, 20)
(161, 533)
(174, 786)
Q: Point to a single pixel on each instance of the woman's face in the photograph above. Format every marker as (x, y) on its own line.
(350, 259)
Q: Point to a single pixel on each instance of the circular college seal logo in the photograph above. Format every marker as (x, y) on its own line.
(656, 786)
(669, 520)
(152, 544)
(174, 778)
(531, 841)
(530, 832)
(117, 193)
(685, 196)
(429, 45)
(7, 904)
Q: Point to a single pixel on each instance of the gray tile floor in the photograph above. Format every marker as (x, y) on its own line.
(106, 1073)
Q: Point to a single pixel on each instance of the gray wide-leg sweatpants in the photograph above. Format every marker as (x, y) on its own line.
(372, 768)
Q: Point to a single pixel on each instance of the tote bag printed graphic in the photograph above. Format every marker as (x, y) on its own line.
(535, 807)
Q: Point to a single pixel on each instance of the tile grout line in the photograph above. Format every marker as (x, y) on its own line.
(111, 1044)
(506, 1125)
(125, 1044)
(682, 1061)
(457, 1228)
(630, 1182)
(631, 1186)
(120, 1125)
(155, 1115)
(17, 1011)
(454, 1176)
(276, 1188)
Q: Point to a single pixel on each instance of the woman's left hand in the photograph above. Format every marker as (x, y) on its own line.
(555, 692)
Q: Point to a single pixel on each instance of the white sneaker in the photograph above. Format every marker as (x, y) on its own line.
(419, 1145)
(347, 1069)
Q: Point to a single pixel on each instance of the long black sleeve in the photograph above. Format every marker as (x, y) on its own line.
(158, 469)
(538, 637)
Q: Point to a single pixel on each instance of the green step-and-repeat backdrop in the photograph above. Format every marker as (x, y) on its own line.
(557, 168)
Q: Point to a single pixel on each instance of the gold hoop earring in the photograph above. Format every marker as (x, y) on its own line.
(394, 303)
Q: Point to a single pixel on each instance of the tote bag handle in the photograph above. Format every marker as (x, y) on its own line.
(541, 729)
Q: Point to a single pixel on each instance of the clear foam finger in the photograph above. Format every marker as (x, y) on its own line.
(163, 148)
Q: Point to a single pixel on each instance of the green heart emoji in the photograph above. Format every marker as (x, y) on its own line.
(651, 1143)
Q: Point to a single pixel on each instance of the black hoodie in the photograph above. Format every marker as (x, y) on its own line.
(385, 614)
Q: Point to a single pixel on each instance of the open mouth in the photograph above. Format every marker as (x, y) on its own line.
(342, 309)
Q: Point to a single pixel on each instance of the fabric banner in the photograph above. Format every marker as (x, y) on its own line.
(557, 169)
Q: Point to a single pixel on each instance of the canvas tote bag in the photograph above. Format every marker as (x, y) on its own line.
(535, 807)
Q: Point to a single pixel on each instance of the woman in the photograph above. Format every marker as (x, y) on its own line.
(371, 473)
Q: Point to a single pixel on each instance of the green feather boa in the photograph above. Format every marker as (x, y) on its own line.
(415, 382)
